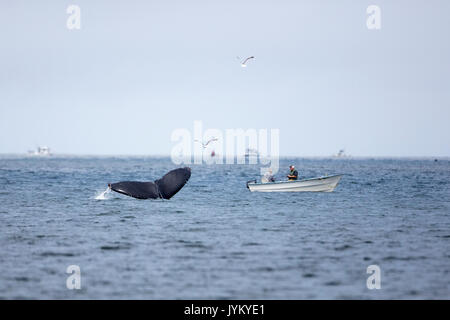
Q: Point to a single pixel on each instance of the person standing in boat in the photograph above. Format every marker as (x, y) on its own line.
(293, 175)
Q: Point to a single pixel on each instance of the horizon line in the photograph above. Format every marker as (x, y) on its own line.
(347, 157)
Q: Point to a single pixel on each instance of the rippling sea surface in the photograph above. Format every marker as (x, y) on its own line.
(217, 240)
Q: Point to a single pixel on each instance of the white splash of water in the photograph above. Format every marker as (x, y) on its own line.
(102, 196)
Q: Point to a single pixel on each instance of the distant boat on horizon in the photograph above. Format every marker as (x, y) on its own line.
(40, 151)
(251, 154)
(341, 154)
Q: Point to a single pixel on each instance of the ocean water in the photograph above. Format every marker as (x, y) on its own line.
(217, 240)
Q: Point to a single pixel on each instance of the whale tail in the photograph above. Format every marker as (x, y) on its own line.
(164, 188)
(172, 182)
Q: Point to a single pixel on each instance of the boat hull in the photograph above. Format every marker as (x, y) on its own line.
(321, 184)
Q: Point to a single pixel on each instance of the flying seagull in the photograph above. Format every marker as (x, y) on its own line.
(204, 145)
(244, 63)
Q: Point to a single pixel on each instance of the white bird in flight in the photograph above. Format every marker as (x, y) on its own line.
(204, 145)
(244, 63)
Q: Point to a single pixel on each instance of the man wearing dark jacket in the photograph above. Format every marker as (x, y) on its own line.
(293, 175)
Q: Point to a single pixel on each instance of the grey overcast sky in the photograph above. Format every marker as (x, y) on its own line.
(137, 70)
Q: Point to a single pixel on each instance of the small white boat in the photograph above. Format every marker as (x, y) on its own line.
(341, 154)
(40, 151)
(320, 184)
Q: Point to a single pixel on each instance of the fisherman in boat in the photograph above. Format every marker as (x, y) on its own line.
(293, 175)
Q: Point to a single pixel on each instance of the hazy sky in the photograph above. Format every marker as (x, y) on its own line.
(137, 70)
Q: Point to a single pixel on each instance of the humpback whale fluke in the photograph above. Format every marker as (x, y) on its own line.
(164, 188)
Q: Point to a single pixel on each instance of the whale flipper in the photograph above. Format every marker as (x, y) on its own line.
(165, 188)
